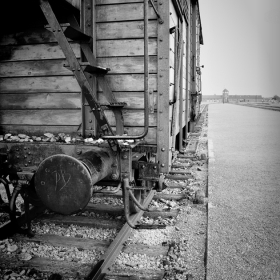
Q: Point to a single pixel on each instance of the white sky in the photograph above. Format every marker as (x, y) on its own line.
(241, 50)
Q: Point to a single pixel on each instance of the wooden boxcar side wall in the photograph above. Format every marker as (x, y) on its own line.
(37, 94)
(120, 47)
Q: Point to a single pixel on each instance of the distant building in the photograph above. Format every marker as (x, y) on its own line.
(225, 96)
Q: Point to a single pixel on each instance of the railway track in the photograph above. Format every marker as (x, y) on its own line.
(263, 106)
(98, 244)
(80, 247)
(74, 246)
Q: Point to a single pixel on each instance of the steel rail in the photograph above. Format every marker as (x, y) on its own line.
(103, 266)
(146, 84)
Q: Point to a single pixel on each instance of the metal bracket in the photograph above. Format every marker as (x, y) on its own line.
(149, 171)
(156, 11)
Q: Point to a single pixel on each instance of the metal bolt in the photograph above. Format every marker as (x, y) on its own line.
(161, 112)
(29, 161)
(26, 165)
(142, 166)
(124, 156)
(114, 176)
(29, 153)
(25, 148)
(17, 156)
(90, 121)
(162, 165)
(162, 149)
(25, 156)
(160, 76)
(155, 167)
(160, 40)
(43, 183)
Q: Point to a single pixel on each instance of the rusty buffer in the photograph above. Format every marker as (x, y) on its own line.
(64, 183)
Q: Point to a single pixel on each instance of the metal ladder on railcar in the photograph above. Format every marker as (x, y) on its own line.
(71, 30)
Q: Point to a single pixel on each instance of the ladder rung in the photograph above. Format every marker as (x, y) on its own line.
(117, 104)
(71, 32)
(87, 67)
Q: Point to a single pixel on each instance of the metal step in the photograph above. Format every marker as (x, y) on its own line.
(71, 32)
(92, 69)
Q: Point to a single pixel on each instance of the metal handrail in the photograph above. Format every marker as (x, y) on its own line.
(146, 84)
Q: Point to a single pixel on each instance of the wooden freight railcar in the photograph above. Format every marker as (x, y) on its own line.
(78, 70)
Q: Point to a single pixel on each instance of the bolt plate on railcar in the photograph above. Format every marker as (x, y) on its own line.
(63, 183)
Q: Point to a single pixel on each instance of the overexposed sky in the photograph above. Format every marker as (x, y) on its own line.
(241, 50)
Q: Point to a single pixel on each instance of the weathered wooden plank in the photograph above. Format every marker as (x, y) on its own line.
(27, 37)
(123, 30)
(39, 84)
(134, 100)
(40, 101)
(133, 82)
(154, 214)
(64, 241)
(152, 250)
(115, 210)
(34, 68)
(122, 12)
(130, 274)
(39, 130)
(179, 177)
(80, 221)
(170, 196)
(131, 118)
(108, 2)
(122, 65)
(128, 47)
(40, 117)
(70, 269)
(35, 52)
